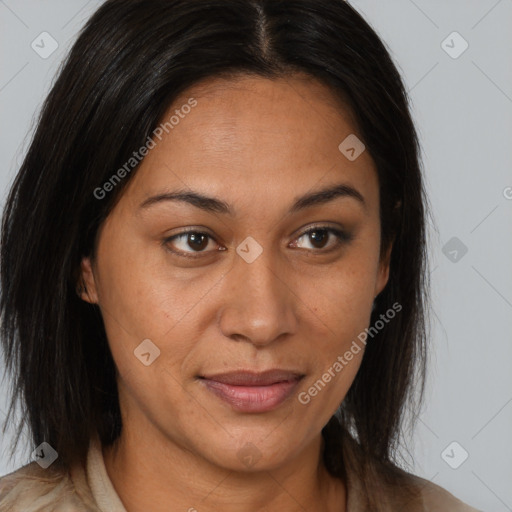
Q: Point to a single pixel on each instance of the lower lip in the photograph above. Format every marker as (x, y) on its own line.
(253, 398)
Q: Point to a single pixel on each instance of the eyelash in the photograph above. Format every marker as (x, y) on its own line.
(342, 238)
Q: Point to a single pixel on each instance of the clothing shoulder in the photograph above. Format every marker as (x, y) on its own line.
(34, 489)
(431, 497)
(388, 488)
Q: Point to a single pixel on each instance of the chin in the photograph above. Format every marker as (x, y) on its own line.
(248, 453)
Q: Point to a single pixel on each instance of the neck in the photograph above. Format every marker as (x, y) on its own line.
(153, 472)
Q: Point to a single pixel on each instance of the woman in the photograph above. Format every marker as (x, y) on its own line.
(214, 267)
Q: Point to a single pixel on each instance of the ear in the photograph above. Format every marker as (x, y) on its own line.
(385, 260)
(87, 284)
(383, 272)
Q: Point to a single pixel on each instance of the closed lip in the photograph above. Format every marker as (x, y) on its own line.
(251, 378)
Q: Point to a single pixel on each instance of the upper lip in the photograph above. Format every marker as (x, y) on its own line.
(250, 378)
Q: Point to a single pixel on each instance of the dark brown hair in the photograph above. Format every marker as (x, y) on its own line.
(129, 62)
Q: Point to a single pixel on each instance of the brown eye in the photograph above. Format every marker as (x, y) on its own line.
(188, 243)
(197, 241)
(319, 237)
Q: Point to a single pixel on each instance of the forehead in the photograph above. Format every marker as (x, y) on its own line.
(253, 114)
(252, 135)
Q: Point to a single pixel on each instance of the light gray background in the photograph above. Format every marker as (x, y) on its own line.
(463, 110)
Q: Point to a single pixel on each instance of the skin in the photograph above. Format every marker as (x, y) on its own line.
(258, 145)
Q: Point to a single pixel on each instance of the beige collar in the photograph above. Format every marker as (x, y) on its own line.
(102, 489)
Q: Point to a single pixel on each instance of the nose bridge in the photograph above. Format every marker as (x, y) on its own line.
(260, 278)
(258, 305)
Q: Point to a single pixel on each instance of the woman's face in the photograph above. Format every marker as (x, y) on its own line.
(249, 289)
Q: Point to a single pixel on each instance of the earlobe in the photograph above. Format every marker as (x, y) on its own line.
(86, 287)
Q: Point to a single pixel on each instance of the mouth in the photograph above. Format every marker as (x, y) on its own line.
(246, 391)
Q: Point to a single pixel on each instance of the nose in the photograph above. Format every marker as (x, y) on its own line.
(259, 305)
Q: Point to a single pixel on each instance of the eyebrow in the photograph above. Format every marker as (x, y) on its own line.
(214, 205)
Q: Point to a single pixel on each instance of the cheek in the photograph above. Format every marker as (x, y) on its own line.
(340, 303)
(143, 298)
(324, 391)
(158, 391)
(135, 284)
(342, 297)
(338, 350)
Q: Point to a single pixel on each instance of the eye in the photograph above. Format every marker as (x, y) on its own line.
(193, 243)
(189, 242)
(319, 237)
